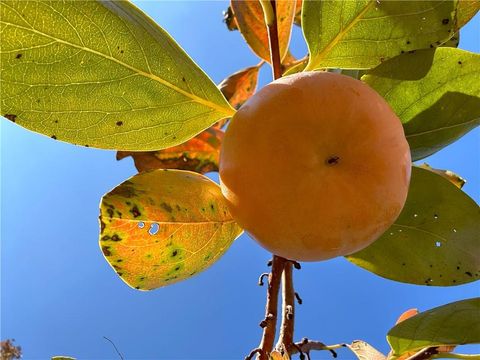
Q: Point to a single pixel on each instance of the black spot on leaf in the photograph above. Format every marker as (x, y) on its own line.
(115, 237)
(11, 117)
(18, 56)
(166, 207)
(445, 21)
(53, 137)
(468, 273)
(106, 250)
(119, 123)
(135, 212)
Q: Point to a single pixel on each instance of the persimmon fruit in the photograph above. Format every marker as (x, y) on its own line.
(315, 165)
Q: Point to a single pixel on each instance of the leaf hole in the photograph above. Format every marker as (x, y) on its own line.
(141, 225)
(153, 229)
(438, 244)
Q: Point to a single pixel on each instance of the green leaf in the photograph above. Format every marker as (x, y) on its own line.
(452, 324)
(434, 241)
(164, 226)
(434, 92)
(101, 74)
(361, 34)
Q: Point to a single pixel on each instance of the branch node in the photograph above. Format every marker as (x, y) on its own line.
(253, 352)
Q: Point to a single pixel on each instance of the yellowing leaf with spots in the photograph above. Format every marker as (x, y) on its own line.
(101, 74)
(164, 226)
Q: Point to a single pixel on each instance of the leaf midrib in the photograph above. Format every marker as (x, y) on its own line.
(338, 37)
(225, 110)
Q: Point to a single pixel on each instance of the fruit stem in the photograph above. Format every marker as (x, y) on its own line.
(285, 340)
(269, 330)
(270, 12)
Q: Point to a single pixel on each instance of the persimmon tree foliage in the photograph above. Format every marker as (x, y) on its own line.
(103, 74)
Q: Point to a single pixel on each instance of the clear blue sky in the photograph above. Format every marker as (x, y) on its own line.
(59, 296)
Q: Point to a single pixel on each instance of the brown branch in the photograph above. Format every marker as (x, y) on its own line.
(274, 44)
(285, 339)
(270, 320)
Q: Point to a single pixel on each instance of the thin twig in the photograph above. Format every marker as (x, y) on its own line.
(307, 345)
(296, 264)
(445, 355)
(269, 330)
(285, 339)
(299, 299)
(271, 20)
(118, 352)
(260, 279)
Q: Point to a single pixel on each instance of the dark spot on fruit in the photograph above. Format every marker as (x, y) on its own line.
(332, 160)
(459, 63)
(135, 212)
(53, 137)
(445, 21)
(106, 250)
(468, 273)
(115, 237)
(18, 56)
(166, 207)
(119, 123)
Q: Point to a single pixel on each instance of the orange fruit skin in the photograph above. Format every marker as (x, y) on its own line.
(314, 166)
